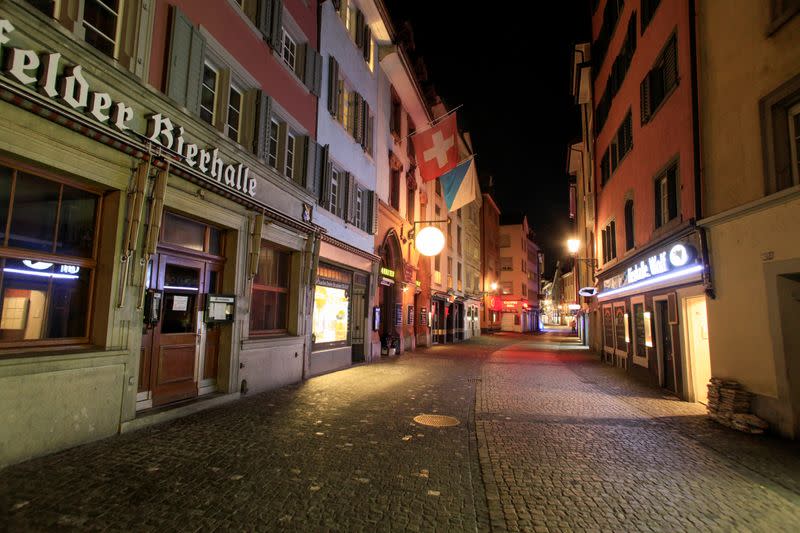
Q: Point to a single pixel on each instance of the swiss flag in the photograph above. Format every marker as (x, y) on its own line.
(437, 149)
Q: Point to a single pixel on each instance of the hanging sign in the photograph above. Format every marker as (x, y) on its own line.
(67, 84)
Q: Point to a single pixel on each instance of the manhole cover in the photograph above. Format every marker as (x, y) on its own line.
(437, 421)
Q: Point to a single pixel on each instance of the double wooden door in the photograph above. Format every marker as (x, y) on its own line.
(179, 351)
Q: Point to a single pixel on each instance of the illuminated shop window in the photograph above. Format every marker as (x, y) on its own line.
(47, 258)
(331, 315)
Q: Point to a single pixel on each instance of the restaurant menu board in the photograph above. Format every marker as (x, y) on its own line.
(423, 316)
(639, 329)
(619, 327)
(608, 328)
(398, 314)
(410, 315)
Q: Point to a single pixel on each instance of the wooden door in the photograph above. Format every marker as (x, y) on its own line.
(665, 341)
(176, 337)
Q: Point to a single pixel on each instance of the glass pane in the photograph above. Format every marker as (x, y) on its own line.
(330, 320)
(182, 278)
(179, 313)
(34, 217)
(214, 246)
(263, 311)
(212, 282)
(43, 300)
(76, 222)
(5, 198)
(273, 268)
(184, 232)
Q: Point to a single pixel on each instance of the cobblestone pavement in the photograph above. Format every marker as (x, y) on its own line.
(549, 440)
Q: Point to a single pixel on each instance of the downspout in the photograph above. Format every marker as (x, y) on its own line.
(312, 251)
(708, 282)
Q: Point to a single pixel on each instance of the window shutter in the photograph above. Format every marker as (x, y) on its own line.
(184, 77)
(672, 191)
(365, 125)
(310, 69)
(282, 130)
(373, 213)
(312, 169)
(300, 159)
(367, 43)
(333, 86)
(261, 138)
(337, 4)
(324, 172)
(343, 199)
(351, 200)
(359, 37)
(644, 90)
(358, 118)
(670, 65)
(658, 202)
(300, 61)
(370, 134)
(317, 74)
(265, 8)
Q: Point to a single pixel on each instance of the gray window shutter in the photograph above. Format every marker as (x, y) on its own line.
(265, 18)
(670, 65)
(359, 28)
(365, 125)
(183, 77)
(324, 172)
(344, 198)
(317, 74)
(261, 138)
(351, 200)
(309, 69)
(300, 159)
(276, 24)
(370, 135)
(358, 116)
(367, 47)
(300, 61)
(312, 168)
(333, 86)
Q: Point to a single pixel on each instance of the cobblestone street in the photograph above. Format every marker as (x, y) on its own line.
(549, 440)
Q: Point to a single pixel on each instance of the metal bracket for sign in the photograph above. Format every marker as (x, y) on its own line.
(413, 230)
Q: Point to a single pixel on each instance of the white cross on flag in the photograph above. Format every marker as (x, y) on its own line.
(437, 149)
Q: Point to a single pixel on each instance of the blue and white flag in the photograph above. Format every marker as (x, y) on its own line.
(460, 185)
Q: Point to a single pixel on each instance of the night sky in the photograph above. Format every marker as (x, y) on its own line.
(509, 64)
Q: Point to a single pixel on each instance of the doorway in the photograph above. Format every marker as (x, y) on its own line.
(697, 341)
(666, 352)
(179, 351)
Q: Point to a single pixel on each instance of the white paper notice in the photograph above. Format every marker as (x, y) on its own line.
(218, 310)
(180, 303)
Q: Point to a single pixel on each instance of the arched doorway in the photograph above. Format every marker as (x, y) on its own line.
(390, 287)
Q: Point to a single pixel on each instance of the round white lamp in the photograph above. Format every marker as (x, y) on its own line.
(573, 245)
(429, 241)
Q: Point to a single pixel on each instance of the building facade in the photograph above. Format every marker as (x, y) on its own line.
(515, 286)
(652, 258)
(345, 287)
(161, 240)
(751, 206)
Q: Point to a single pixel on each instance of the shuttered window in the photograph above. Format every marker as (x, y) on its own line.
(272, 155)
(289, 52)
(333, 202)
(208, 96)
(619, 70)
(666, 195)
(629, 240)
(660, 81)
(100, 24)
(234, 113)
(609, 238)
(648, 9)
(290, 155)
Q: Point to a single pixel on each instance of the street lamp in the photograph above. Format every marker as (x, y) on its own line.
(493, 286)
(429, 241)
(573, 245)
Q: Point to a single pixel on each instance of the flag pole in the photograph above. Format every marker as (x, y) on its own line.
(434, 122)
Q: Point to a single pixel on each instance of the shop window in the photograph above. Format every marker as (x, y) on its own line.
(507, 287)
(331, 318)
(269, 307)
(47, 258)
(666, 195)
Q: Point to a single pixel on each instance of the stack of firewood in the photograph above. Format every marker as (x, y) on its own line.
(729, 404)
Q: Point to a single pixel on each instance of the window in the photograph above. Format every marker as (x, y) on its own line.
(505, 240)
(666, 194)
(507, 287)
(450, 272)
(272, 155)
(780, 133)
(506, 264)
(524, 291)
(290, 148)
(234, 113)
(605, 168)
(394, 191)
(629, 241)
(458, 276)
(100, 24)
(611, 14)
(660, 81)
(458, 240)
(269, 308)
(609, 238)
(794, 142)
(619, 69)
(438, 188)
(208, 96)
(333, 205)
(437, 269)
(781, 11)
(409, 144)
(395, 119)
(331, 317)
(410, 200)
(289, 52)
(359, 215)
(48, 233)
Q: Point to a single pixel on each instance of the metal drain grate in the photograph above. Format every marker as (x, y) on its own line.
(437, 421)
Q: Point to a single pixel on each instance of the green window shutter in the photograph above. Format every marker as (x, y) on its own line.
(324, 172)
(367, 47)
(180, 47)
(333, 86)
(310, 69)
(261, 138)
(312, 168)
(300, 159)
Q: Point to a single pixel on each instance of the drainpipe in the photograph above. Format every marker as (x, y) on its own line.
(698, 188)
(312, 252)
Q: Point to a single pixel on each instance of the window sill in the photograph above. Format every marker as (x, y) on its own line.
(15, 356)
(268, 341)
